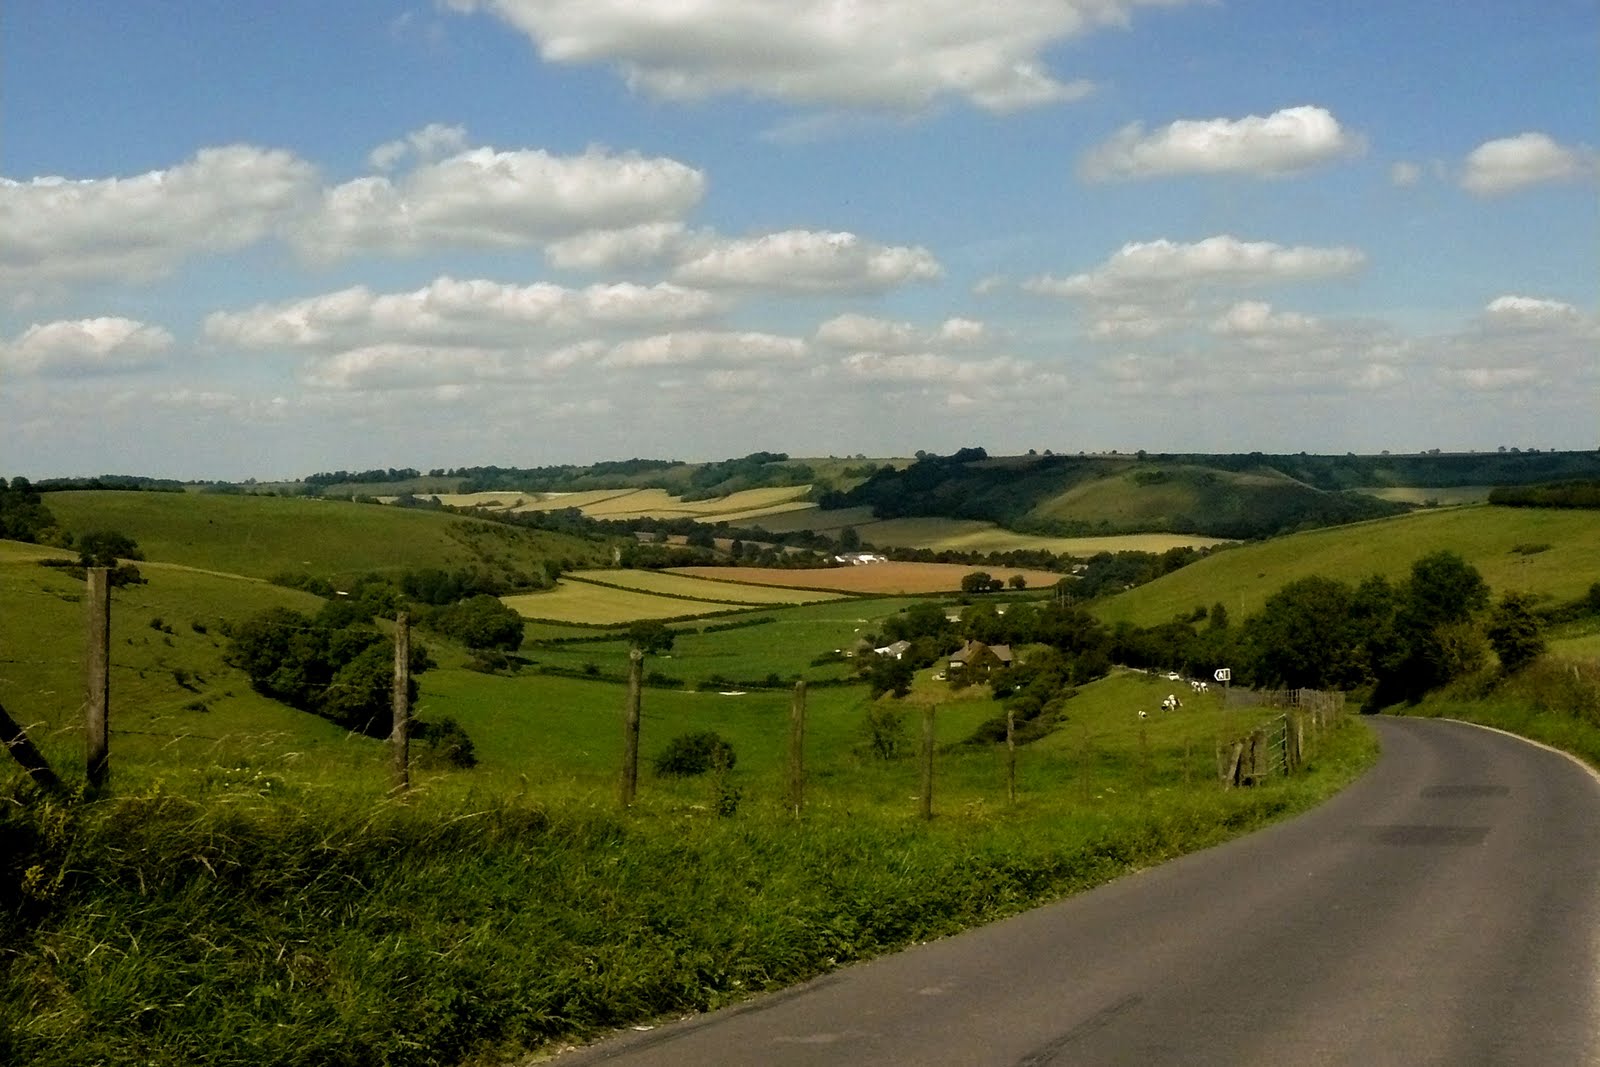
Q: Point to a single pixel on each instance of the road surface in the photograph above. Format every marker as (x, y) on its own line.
(1445, 909)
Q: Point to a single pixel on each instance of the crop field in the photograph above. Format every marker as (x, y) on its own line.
(1547, 552)
(260, 536)
(1446, 496)
(724, 592)
(973, 535)
(600, 605)
(889, 579)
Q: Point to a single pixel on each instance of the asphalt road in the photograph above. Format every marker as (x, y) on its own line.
(1445, 909)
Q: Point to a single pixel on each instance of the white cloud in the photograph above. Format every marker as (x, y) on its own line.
(403, 366)
(597, 250)
(1512, 163)
(1143, 269)
(701, 346)
(56, 230)
(1253, 318)
(1496, 379)
(1530, 311)
(430, 142)
(890, 54)
(1284, 142)
(449, 312)
(85, 347)
(1405, 174)
(483, 198)
(807, 261)
(862, 331)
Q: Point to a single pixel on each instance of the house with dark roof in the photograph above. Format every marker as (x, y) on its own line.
(975, 656)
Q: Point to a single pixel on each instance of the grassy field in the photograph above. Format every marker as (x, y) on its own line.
(683, 585)
(1242, 578)
(260, 536)
(971, 535)
(1447, 496)
(600, 605)
(247, 895)
(875, 578)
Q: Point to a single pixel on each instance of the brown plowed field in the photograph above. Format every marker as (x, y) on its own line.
(890, 578)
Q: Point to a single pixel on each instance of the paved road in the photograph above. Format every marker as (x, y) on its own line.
(1445, 909)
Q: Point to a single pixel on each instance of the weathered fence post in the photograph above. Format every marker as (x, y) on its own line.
(98, 671)
(927, 761)
(400, 706)
(1011, 755)
(797, 747)
(630, 727)
(15, 739)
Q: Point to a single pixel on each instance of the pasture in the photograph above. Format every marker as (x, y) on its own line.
(261, 536)
(880, 579)
(1547, 552)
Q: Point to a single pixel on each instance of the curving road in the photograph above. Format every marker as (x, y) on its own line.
(1445, 909)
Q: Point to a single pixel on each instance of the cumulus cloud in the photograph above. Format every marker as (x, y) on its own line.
(430, 142)
(1531, 311)
(863, 331)
(635, 246)
(902, 55)
(484, 198)
(1512, 163)
(451, 313)
(1253, 318)
(85, 347)
(1140, 269)
(1284, 142)
(807, 261)
(701, 346)
(55, 230)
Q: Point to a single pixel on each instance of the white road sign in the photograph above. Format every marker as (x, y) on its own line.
(1223, 674)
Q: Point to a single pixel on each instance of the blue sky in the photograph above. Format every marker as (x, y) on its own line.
(268, 239)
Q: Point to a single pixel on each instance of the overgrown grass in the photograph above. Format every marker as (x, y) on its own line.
(1555, 700)
(241, 929)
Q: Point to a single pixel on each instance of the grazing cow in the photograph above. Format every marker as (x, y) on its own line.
(1172, 703)
(1142, 715)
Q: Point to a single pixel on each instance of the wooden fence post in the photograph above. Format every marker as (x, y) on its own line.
(927, 761)
(630, 728)
(1011, 755)
(98, 671)
(797, 748)
(400, 706)
(15, 740)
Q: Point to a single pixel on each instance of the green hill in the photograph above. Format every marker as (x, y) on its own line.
(1548, 552)
(1098, 495)
(260, 536)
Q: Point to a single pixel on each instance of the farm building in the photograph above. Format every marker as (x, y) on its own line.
(977, 656)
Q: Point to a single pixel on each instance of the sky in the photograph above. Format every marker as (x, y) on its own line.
(264, 240)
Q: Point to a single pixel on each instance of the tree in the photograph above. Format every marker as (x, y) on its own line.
(1019, 581)
(479, 622)
(886, 674)
(103, 548)
(1306, 637)
(1513, 632)
(650, 636)
(849, 540)
(976, 582)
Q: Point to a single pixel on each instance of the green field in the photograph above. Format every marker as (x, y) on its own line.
(971, 535)
(600, 605)
(1447, 496)
(1242, 578)
(261, 536)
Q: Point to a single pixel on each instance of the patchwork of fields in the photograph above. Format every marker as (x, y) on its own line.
(873, 578)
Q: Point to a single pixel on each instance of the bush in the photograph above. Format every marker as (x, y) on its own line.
(693, 754)
(884, 731)
(444, 743)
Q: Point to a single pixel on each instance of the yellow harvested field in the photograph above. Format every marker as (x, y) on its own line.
(503, 499)
(584, 602)
(885, 578)
(755, 516)
(682, 585)
(972, 535)
(583, 501)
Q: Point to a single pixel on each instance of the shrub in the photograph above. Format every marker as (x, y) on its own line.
(444, 743)
(693, 754)
(884, 731)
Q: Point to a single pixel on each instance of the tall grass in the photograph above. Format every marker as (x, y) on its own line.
(1554, 700)
(315, 928)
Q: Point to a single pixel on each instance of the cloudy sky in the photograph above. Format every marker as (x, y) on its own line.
(270, 239)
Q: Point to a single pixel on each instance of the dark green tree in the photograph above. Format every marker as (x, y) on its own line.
(1513, 632)
(650, 636)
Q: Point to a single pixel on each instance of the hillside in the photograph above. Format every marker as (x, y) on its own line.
(1099, 495)
(1547, 552)
(261, 536)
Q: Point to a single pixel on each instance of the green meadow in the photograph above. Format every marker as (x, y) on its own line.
(261, 536)
(1551, 553)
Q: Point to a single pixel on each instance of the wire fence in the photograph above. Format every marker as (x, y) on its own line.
(1279, 745)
